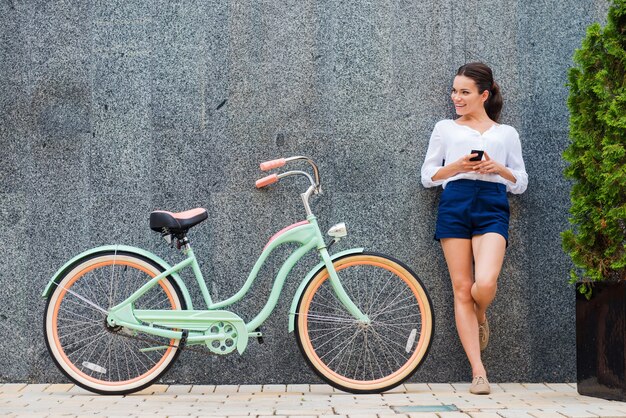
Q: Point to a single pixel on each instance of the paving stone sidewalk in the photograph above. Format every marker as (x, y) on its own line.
(303, 401)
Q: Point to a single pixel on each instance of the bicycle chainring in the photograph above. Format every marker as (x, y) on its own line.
(228, 343)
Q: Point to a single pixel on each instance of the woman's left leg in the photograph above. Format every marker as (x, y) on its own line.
(488, 252)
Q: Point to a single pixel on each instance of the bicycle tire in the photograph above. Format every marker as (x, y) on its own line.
(356, 357)
(99, 358)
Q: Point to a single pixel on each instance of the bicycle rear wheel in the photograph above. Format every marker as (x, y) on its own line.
(100, 358)
(365, 358)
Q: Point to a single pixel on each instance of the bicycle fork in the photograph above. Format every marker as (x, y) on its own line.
(343, 297)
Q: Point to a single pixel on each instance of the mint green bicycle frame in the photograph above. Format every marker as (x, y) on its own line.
(196, 322)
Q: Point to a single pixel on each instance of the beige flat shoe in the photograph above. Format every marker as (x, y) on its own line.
(480, 386)
(483, 334)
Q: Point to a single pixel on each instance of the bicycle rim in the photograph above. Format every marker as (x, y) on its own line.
(362, 358)
(100, 358)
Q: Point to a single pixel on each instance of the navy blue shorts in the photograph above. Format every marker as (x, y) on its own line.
(472, 207)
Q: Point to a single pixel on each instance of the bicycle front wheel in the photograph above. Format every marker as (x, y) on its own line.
(100, 358)
(365, 358)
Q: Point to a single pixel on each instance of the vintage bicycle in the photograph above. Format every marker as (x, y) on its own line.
(117, 317)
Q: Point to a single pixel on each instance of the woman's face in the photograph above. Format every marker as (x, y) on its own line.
(466, 98)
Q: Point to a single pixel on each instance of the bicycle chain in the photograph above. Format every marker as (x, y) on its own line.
(182, 346)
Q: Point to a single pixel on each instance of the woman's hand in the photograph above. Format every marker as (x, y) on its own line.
(464, 165)
(489, 166)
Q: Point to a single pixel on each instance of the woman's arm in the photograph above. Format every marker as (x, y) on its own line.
(514, 171)
(515, 164)
(434, 173)
(462, 165)
(489, 166)
(434, 159)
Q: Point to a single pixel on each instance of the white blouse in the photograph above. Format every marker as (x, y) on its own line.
(450, 141)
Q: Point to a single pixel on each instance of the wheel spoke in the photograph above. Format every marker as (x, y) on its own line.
(386, 309)
(386, 345)
(337, 335)
(330, 319)
(340, 347)
(327, 332)
(394, 321)
(84, 305)
(78, 323)
(76, 331)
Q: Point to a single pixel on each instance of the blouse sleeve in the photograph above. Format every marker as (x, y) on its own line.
(434, 159)
(515, 163)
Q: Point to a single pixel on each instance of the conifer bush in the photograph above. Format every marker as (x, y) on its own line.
(596, 154)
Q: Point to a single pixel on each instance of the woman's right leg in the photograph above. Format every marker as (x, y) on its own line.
(459, 257)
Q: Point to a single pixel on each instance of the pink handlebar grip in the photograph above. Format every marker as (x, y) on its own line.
(266, 181)
(268, 165)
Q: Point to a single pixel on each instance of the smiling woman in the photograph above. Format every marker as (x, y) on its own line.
(476, 160)
(475, 88)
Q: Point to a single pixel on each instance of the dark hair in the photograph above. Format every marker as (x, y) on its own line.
(483, 77)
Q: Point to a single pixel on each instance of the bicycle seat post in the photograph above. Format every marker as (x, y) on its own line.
(182, 243)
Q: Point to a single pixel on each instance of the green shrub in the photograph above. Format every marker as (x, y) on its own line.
(597, 156)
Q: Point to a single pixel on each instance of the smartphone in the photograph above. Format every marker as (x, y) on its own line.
(479, 156)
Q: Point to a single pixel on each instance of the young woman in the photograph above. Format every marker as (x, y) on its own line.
(476, 160)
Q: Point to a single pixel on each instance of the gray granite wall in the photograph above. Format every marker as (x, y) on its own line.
(110, 109)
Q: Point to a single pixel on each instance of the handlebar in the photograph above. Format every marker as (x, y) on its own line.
(269, 165)
(315, 186)
(266, 181)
